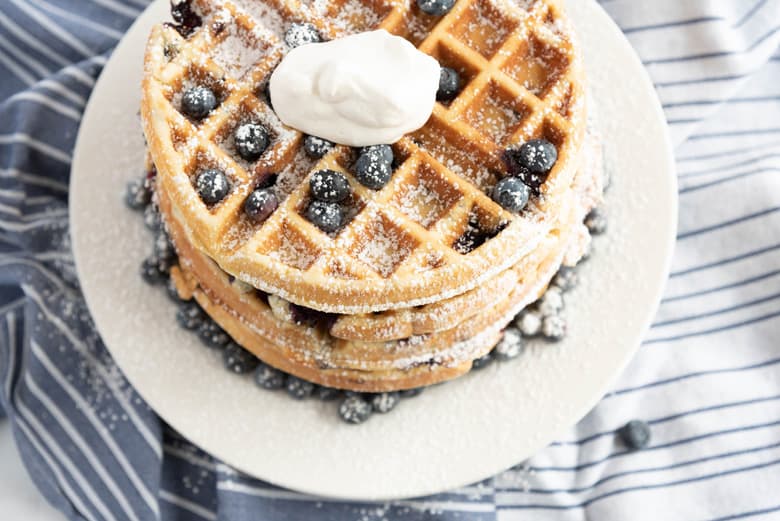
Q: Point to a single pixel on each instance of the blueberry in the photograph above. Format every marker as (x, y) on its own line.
(538, 156)
(329, 186)
(529, 323)
(251, 140)
(152, 219)
(138, 194)
(316, 147)
(512, 194)
(327, 394)
(551, 302)
(385, 402)
(566, 278)
(269, 377)
(261, 204)
(152, 271)
(510, 346)
(410, 393)
(635, 434)
(190, 315)
(373, 170)
(553, 328)
(435, 7)
(449, 84)
(328, 217)
(355, 409)
(212, 335)
(596, 221)
(197, 102)
(172, 291)
(299, 389)
(381, 152)
(482, 362)
(163, 247)
(301, 34)
(213, 185)
(237, 359)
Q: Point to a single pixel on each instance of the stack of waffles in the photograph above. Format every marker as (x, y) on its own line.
(427, 271)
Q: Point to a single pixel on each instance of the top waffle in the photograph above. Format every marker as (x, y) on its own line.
(433, 231)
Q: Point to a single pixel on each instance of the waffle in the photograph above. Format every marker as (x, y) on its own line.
(404, 244)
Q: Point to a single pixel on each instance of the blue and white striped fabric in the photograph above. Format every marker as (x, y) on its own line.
(707, 378)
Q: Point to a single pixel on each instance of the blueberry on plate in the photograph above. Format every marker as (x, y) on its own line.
(329, 186)
(482, 362)
(172, 291)
(381, 152)
(251, 140)
(328, 217)
(385, 402)
(301, 34)
(538, 156)
(137, 194)
(212, 185)
(299, 389)
(152, 270)
(190, 315)
(554, 328)
(510, 346)
(449, 84)
(529, 322)
(327, 394)
(354, 409)
(409, 393)
(635, 434)
(373, 170)
(435, 7)
(596, 221)
(197, 102)
(269, 377)
(237, 359)
(152, 219)
(566, 278)
(316, 147)
(212, 335)
(261, 204)
(551, 303)
(163, 247)
(512, 194)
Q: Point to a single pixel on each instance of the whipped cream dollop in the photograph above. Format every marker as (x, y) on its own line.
(364, 89)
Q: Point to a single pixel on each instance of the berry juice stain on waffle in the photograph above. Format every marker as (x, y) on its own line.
(354, 200)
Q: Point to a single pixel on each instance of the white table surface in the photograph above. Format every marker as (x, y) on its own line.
(19, 499)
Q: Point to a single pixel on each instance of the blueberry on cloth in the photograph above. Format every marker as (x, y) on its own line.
(328, 217)
(449, 84)
(212, 335)
(483, 361)
(261, 204)
(354, 409)
(566, 278)
(153, 271)
(381, 152)
(596, 221)
(237, 359)
(510, 346)
(512, 194)
(385, 402)
(538, 156)
(373, 170)
(410, 393)
(329, 186)
(251, 140)
(269, 377)
(316, 147)
(197, 102)
(435, 7)
(327, 394)
(299, 389)
(554, 328)
(212, 185)
(635, 434)
(137, 194)
(300, 34)
(190, 315)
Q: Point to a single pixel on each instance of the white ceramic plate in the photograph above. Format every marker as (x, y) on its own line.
(452, 435)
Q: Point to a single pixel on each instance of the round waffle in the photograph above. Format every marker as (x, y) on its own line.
(432, 232)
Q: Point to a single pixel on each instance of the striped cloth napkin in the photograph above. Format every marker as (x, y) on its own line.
(706, 379)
